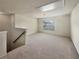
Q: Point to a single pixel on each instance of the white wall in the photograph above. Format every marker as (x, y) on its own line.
(75, 27)
(68, 7)
(62, 26)
(27, 22)
(5, 22)
(5, 25)
(3, 46)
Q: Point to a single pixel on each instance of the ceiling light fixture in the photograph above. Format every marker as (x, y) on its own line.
(48, 7)
(52, 6)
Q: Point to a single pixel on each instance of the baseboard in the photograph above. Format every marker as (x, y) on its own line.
(3, 55)
(56, 35)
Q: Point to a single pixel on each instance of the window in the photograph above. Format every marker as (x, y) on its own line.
(48, 24)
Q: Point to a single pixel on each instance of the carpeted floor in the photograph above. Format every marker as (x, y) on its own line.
(45, 46)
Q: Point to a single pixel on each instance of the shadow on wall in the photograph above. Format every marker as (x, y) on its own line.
(7, 23)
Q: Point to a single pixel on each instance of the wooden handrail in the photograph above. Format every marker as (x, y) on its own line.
(18, 37)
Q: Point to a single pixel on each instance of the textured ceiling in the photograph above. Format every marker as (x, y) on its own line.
(30, 7)
(22, 6)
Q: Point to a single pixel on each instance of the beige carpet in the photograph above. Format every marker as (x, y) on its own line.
(44, 46)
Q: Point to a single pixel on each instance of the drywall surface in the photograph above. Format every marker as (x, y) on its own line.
(5, 22)
(62, 26)
(75, 27)
(5, 25)
(68, 7)
(27, 22)
(3, 40)
(24, 7)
